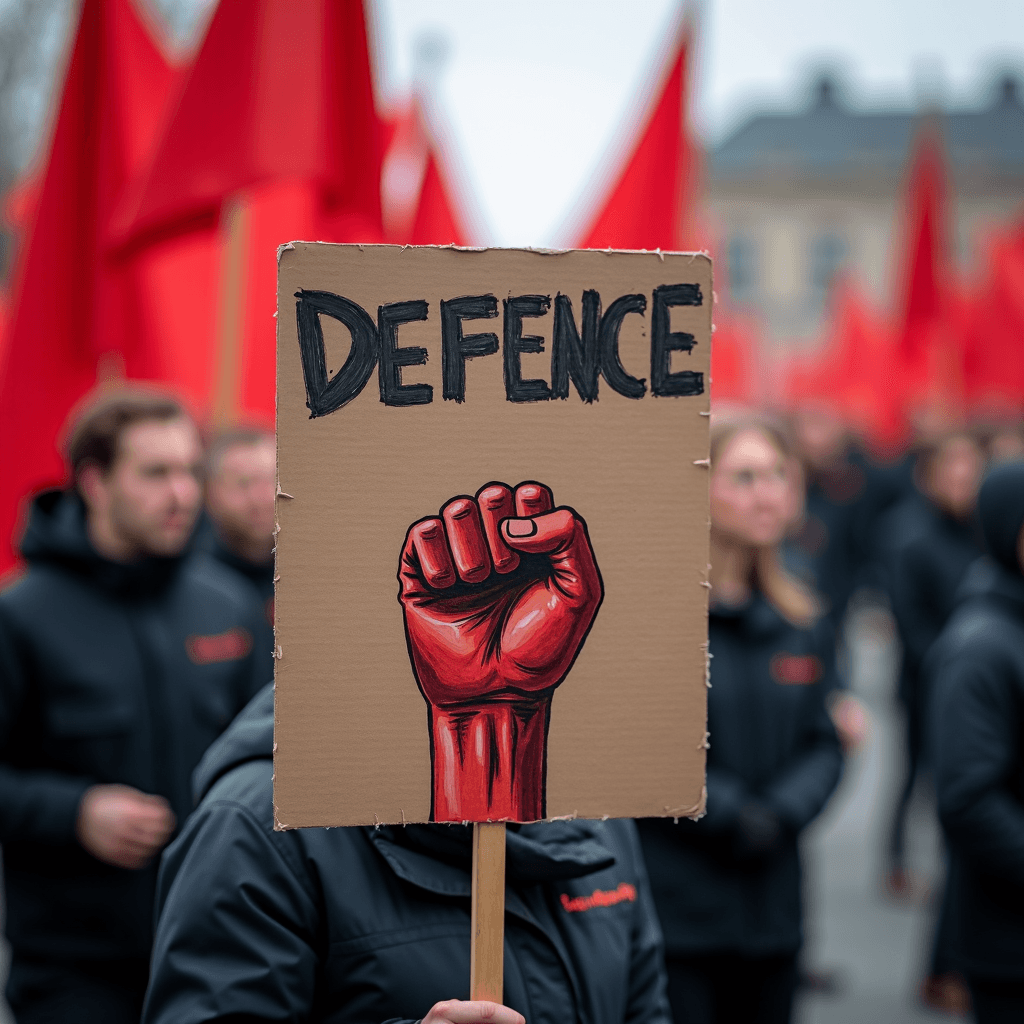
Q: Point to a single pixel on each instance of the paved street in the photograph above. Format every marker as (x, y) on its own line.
(877, 947)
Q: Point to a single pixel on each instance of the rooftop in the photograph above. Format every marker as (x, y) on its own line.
(830, 138)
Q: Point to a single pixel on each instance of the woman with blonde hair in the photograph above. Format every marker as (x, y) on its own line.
(727, 887)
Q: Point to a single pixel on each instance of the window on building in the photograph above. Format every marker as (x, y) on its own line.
(741, 257)
(828, 257)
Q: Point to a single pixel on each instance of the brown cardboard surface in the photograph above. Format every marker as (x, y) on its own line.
(626, 735)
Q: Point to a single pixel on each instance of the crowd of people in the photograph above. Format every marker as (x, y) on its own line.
(144, 878)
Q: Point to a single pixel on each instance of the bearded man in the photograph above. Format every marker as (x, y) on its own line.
(122, 657)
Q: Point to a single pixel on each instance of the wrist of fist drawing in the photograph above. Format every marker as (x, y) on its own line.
(499, 592)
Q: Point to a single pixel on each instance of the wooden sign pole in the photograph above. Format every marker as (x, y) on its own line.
(487, 959)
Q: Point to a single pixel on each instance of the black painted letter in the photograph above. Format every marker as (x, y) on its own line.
(572, 357)
(516, 343)
(664, 342)
(456, 348)
(611, 365)
(393, 358)
(325, 396)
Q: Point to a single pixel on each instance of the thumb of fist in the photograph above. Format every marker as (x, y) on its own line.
(540, 535)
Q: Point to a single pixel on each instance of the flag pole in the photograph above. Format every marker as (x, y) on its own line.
(234, 275)
(486, 970)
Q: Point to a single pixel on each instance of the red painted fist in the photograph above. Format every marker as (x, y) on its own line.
(499, 593)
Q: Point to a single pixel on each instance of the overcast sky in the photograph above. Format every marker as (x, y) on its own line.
(533, 91)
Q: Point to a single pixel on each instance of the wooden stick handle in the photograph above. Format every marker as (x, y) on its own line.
(487, 959)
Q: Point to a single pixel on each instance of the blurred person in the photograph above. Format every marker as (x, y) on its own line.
(728, 887)
(977, 734)
(848, 713)
(1006, 443)
(849, 493)
(940, 540)
(121, 659)
(241, 488)
(373, 924)
(827, 535)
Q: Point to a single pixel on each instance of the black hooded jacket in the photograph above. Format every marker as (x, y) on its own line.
(370, 925)
(730, 882)
(977, 728)
(929, 567)
(109, 673)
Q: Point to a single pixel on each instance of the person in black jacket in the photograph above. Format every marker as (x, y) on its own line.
(977, 731)
(836, 486)
(938, 539)
(727, 887)
(121, 660)
(241, 485)
(373, 924)
(241, 488)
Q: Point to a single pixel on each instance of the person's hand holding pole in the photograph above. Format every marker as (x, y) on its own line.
(459, 1011)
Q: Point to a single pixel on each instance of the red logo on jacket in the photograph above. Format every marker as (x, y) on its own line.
(230, 646)
(625, 893)
(796, 669)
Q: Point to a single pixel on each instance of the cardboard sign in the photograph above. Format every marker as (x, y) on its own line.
(493, 534)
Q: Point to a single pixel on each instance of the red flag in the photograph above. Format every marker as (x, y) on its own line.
(924, 272)
(71, 305)
(732, 362)
(275, 137)
(280, 91)
(841, 376)
(417, 198)
(991, 325)
(646, 206)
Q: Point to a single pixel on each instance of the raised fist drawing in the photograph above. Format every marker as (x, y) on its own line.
(499, 592)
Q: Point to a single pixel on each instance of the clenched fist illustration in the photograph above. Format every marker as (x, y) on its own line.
(499, 592)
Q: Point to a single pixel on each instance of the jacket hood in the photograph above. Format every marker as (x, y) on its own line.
(547, 851)
(250, 737)
(987, 580)
(56, 535)
(1001, 509)
(541, 852)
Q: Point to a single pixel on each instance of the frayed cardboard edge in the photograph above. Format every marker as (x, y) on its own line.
(540, 250)
(694, 813)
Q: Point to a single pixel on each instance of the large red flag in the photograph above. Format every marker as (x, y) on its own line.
(279, 91)
(275, 137)
(646, 205)
(70, 304)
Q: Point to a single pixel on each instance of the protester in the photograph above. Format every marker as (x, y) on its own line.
(727, 887)
(373, 924)
(939, 539)
(977, 725)
(828, 536)
(121, 659)
(241, 486)
(1005, 443)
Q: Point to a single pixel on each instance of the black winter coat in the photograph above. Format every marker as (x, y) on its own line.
(774, 757)
(930, 565)
(109, 673)
(260, 576)
(977, 729)
(366, 925)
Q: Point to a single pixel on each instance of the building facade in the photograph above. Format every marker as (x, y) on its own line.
(796, 198)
